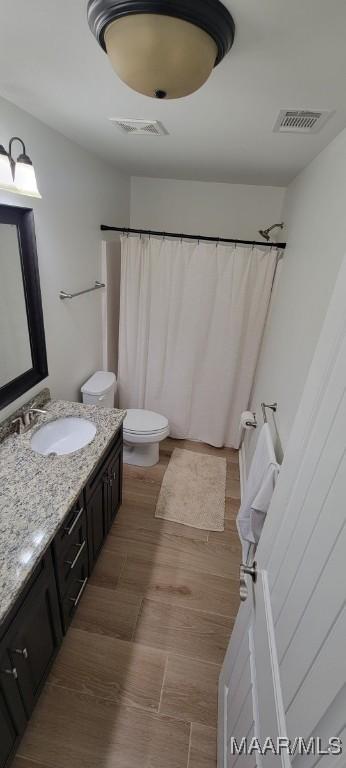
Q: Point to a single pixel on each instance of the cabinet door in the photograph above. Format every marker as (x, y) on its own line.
(36, 635)
(12, 715)
(114, 487)
(97, 518)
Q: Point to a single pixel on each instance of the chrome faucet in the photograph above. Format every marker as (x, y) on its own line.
(27, 419)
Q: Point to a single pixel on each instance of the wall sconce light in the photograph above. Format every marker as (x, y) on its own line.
(18, 175)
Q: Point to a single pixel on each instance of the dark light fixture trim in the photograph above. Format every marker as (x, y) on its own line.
(22, 158)
(28, 186)
(209, 15)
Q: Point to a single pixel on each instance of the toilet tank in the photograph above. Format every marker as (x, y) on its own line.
(100, 389)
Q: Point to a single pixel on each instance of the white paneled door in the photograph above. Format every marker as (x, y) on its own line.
(284, 674)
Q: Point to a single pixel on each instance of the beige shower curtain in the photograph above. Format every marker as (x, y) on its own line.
(192, 316)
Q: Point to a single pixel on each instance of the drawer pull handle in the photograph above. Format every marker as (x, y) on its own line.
(72, 563)
(75, 600)
(72, 527)
(13, 672)
(21, 652)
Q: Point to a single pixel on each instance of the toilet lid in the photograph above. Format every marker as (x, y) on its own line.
(145, 422)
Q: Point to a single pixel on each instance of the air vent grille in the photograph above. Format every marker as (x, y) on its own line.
(301, 120)
(138, 127)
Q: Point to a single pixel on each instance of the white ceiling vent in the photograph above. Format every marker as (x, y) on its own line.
(139, 127)
(301, 120)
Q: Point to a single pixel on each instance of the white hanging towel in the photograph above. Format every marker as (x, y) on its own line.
(259, 488)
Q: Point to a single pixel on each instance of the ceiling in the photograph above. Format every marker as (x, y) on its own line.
(287, 54)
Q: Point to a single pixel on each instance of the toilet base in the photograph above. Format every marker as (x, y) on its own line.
(141, 455)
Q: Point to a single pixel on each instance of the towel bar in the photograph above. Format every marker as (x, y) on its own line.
(64, 295)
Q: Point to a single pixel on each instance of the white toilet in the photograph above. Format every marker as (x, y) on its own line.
(143, 430)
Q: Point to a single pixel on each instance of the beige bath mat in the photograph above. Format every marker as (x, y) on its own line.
(193, 491)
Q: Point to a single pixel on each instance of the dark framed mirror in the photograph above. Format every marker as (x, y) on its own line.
(23, 356)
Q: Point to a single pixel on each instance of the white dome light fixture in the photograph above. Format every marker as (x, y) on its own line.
(18, 175)
(162, 48)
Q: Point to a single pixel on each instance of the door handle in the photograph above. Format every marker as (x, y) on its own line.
(13, 672)
(21, 652)
(75, 600)
(249, 570)
(72, 527)
(73, 562)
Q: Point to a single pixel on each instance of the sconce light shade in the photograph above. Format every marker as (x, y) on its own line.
(25, 177)
(164, 49)
(6, 178)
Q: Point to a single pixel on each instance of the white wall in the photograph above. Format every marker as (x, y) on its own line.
(314, 212)
(79, 192)
(205, 208)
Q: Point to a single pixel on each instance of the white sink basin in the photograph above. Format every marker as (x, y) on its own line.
(63, 436)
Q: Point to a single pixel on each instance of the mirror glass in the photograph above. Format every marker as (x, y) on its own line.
(23, 355)
(15, 350)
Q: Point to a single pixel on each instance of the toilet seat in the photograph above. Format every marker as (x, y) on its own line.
(144, 428)
(142, 422)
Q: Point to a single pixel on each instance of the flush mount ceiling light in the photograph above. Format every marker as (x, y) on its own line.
(162, 48)
(17, 175)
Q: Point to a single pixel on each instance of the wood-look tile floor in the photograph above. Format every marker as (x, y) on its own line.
(135, 682)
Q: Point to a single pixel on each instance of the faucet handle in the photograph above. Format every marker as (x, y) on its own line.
(30, 414)
(18, 423)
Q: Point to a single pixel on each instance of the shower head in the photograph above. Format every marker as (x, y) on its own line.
(266, 232)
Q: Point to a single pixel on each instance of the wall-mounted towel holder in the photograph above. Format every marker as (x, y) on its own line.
(273, 407)
(63, 295)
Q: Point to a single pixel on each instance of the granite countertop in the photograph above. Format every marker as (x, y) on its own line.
(37, 492)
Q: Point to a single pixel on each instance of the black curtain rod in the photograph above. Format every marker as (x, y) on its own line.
(154, 233)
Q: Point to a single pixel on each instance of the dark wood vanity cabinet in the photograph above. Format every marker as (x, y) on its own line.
(71, 559)
(35, 635)
(12, 713)
(31, 635)
(28, 647)
(103, 499)
(97, 518)
(114, 486)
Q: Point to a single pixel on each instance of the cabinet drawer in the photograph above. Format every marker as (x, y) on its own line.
(63, 539)
(76, 586)
(68, 558)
